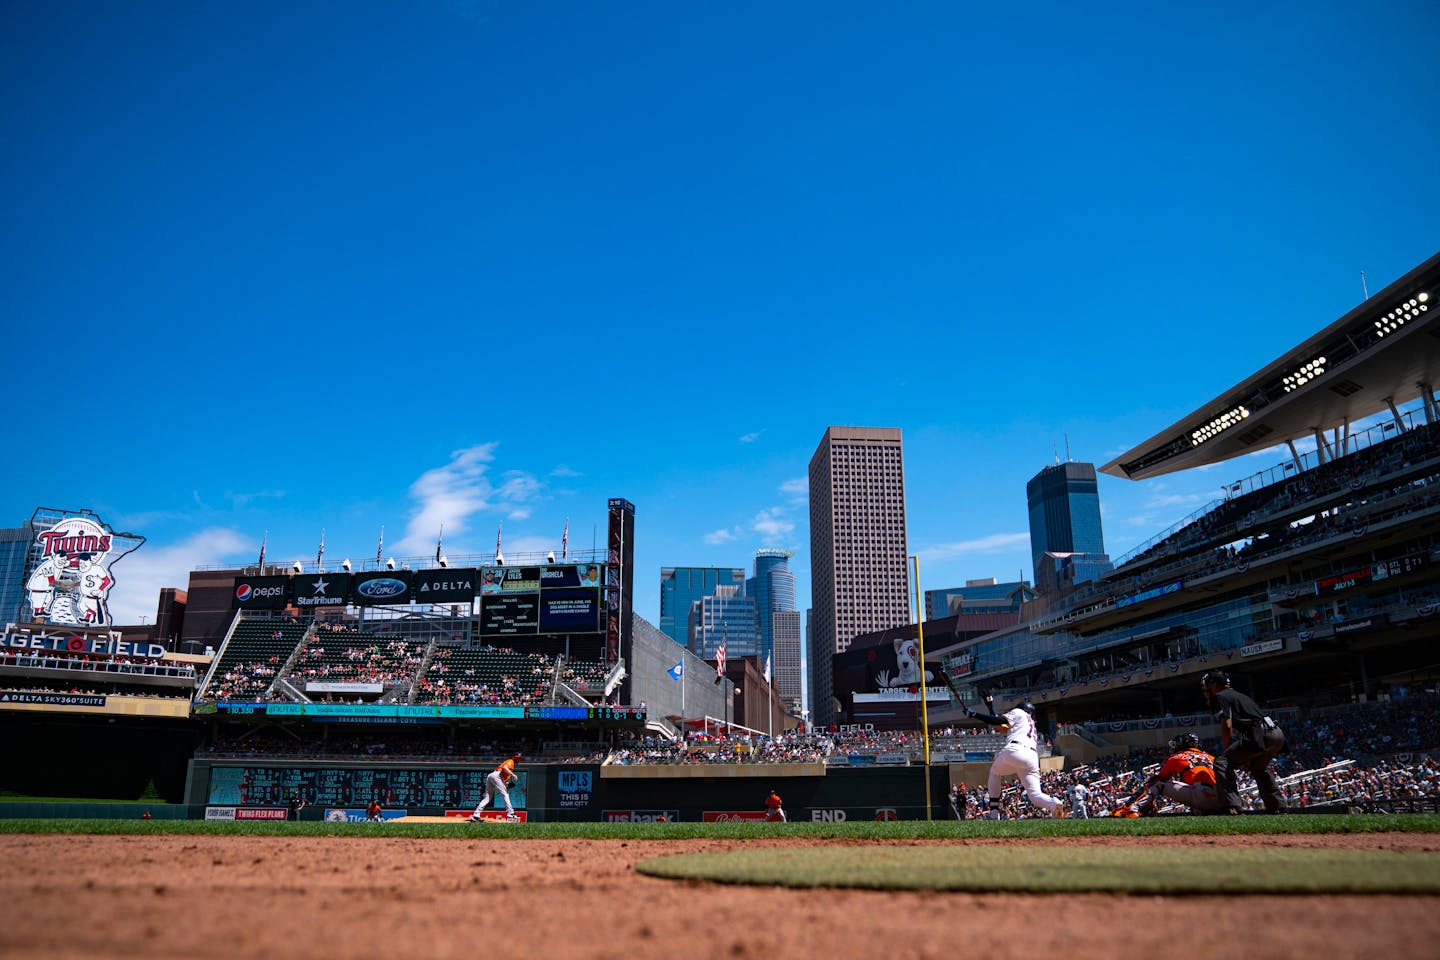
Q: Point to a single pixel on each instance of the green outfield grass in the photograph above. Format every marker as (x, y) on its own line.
(861, 830)
(1064, 869)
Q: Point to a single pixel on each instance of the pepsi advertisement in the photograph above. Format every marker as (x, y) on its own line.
(445, 585)
(381, 587)
(260, 593)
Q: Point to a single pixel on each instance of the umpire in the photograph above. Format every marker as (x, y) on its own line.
(1249, 740)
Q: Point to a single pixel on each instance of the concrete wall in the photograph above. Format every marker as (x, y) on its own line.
(652, 654)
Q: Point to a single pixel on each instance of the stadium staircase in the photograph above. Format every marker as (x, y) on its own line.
(251, 641)
(425, 662)
(282, 676)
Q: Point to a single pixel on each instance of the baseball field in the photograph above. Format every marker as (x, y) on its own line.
(1255, 886)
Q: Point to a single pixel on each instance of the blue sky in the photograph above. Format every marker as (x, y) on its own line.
(278, 266)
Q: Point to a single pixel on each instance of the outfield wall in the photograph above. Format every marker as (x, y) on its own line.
(576, 792)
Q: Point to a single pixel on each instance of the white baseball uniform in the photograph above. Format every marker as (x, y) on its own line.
(1019, 757)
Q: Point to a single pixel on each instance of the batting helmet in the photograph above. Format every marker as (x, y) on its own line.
(1027, 706)
(1184, 741)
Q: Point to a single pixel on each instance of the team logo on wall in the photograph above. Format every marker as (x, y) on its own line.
(72, 583)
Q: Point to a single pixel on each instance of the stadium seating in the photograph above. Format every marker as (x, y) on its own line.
(258, 648)
(341, 654)
(457, 676)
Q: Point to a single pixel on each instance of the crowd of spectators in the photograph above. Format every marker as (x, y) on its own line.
(67, 689)
(454, 677)
(245, 681)
(373, 660)
(64, 660)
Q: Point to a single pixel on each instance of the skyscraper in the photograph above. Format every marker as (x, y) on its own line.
(859, 582)
(680, 587)
(786, 665)
(1064, 513)
(773, 588)
(728, 617)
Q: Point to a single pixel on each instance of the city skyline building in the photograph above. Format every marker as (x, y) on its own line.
(978, 596)
(772, 588)
(15, 545)
(788, 653)
(727, 616)
(1064, 507)
(859, 577)
(680, 587)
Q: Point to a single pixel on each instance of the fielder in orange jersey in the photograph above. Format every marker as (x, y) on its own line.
(774, 812)
(1187, 777)
(498, 784)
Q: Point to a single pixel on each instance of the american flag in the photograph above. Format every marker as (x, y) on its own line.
(565, 540)
(263, 540)
(440, 543)
(720, 662)
(320, 554)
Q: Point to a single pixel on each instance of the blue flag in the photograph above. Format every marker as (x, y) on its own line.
(677, 671)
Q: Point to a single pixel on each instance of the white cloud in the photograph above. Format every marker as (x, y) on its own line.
(771, 523)
(242, 500)
(721, 536)
(751, 437)
(519, 513)
(520, 487)
(447, 496)
(140, 576)
(565, 471)
(797, 489)
(995, 543)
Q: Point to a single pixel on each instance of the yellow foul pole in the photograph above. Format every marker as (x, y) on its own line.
(924, 700)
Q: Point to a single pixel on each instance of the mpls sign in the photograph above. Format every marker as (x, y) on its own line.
(575, 787)
(71, 584)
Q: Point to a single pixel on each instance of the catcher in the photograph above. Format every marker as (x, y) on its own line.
(498, 784)
(1187, 777)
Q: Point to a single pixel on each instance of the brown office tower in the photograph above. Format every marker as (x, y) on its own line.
(859, 580)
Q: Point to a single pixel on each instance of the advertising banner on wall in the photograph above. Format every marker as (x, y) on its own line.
(445, 585)
(321, 589)
(261, 593)
(381, 587)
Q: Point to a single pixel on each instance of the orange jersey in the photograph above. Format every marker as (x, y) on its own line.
(1191, 766)
(772, 802)
(506, 770)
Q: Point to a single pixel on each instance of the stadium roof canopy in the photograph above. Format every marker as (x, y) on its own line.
(1374, 357)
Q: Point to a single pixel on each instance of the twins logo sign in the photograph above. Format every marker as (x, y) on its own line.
(71, 584)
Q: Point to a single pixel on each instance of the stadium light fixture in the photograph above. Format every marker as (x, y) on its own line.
(1304, 374)
(298, 567)
(1219, 425)
(345, 564)
(1407, 310)
(499, 560)
(550, 557)
(390, 564)
(444, 561)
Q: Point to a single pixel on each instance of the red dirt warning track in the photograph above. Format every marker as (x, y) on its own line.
(322, 897)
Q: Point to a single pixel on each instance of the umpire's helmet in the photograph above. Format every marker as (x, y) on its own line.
(1027, 706)
(1218, 677)
(1184, 741)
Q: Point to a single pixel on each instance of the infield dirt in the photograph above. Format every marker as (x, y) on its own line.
(323, 897)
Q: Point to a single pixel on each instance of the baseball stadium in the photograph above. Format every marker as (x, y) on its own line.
(417, 755)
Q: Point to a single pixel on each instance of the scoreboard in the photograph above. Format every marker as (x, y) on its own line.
(527, 601)
(350, 787)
